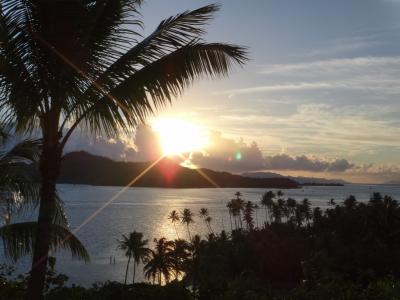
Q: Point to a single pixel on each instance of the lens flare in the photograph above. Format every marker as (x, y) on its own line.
(179, 136)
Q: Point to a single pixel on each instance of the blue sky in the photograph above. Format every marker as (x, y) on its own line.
(322, 82)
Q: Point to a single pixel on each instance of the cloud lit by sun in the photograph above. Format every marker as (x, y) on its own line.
(178, 136)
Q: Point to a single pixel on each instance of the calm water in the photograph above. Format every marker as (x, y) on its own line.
(146, 210)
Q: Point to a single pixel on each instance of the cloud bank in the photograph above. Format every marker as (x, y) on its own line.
(237, 156)
(143, 146)
(227, 154)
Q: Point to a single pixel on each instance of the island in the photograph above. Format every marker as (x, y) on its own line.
(85, 168)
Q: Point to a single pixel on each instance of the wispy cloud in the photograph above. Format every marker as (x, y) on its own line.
(336, 65)
(379, 74)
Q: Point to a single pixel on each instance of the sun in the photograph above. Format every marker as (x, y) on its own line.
(179, 136)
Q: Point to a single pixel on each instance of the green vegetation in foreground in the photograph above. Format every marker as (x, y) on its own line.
(66, 64)
(349, 251)
(19, 193)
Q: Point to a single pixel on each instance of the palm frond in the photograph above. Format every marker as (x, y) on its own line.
(159, 82)
(19, 239)
(111, 28)
(27, 151)
(18, 183)
(59, 216)
(4, 134)
(171, 34)
(16, 65)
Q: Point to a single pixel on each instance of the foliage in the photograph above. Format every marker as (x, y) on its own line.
(348, 251)
(19, 192)
(134, 247)
(19, 239)
(75, 63)
(15, 288)
(113, 290)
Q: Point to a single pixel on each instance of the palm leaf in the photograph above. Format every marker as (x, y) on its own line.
(158, 83)
(171, 34)
(111, 28)
(19, 239)
(27, 151)
(16, 65)
(59, 216)
(17, 177)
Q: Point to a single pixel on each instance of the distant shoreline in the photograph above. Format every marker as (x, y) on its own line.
(85, 168)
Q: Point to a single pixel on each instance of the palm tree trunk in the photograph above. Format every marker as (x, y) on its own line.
(266, 215)
(208, 227)
(127, 268)
(176, 231)
(211, 230)
(50, 163)
(256, 218)
(187, 226)
(134, 272)
(230, 219)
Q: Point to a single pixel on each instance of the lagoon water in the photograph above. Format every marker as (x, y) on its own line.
(99, 215)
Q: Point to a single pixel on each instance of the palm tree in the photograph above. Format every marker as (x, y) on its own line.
(229, 205)
(276, 212)
(317, 216)
(248, 215)
(281, 204)
(239, 202)
(160, 263)
(203, 213)
(350, 202)
(299, 214)
(84, 66)
(208, 220)
(256, 208)
(376, 199)
(174, 217)
(267, 201)
(180, 253)
(134, 247)
(291, 205)
(238, 195)
(19, 191)
(18, 187)
(187, 218)
(236, 206)
(306, 208)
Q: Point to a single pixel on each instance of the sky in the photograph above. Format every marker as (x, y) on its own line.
(319, 96)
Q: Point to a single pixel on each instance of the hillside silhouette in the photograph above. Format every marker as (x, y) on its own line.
(85, 168)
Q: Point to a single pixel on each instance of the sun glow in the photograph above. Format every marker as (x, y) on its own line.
(179, 136)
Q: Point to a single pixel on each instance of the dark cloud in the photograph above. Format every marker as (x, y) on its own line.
(304, 163)
(224, 154)
(237, 156)
(147, 144)
(340, 165)
(229, 155)
(144, 146)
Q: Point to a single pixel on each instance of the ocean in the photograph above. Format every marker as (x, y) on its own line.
(100, 215)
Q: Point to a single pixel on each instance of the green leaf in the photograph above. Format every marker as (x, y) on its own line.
(19, 240)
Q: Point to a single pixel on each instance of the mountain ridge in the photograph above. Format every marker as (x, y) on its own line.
(85, 168)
